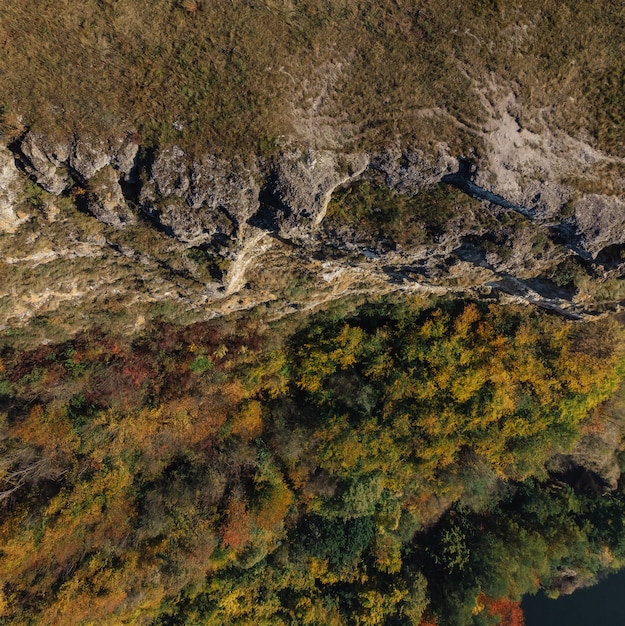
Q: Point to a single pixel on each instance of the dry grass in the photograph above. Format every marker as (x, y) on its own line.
(228, 74)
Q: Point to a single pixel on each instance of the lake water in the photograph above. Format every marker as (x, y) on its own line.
(601, 605)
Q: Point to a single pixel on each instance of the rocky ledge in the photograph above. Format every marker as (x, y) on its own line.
(560, 248)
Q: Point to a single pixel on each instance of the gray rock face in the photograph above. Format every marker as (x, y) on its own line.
(57, 166)
(225, 204)
(233, 187)
(169, 174)
(231, 207)
(87, 160)
(46, 163)
(106, 200)
(78, 159)
(207, 201)
(124, 159)
(545, 200)
(213, 201)
(410, 170)
(302, 185)
(600, 220)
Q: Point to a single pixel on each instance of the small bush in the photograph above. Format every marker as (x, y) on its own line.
(201, 364)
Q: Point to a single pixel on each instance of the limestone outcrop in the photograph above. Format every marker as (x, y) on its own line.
(204, 201)
(239, 210)
(9, 193)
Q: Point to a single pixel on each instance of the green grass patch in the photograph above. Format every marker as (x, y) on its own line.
(201, 364)
(375, 211)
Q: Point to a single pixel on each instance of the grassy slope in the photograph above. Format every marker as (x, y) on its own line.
(230, 72)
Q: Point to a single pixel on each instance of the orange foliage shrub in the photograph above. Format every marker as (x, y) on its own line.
(136, 374)
(248, 422)
(49, 428)
(274, 507)
(509, 611)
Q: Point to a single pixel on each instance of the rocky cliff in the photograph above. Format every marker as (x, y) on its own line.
(545, 223)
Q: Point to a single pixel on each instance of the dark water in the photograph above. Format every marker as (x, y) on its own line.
(601, 605)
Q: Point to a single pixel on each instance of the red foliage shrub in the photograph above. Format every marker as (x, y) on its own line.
(509, 611)
(236, 530)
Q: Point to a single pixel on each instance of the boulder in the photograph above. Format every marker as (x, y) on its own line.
(105, 199)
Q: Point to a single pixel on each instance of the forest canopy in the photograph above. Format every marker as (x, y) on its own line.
(330, 470)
